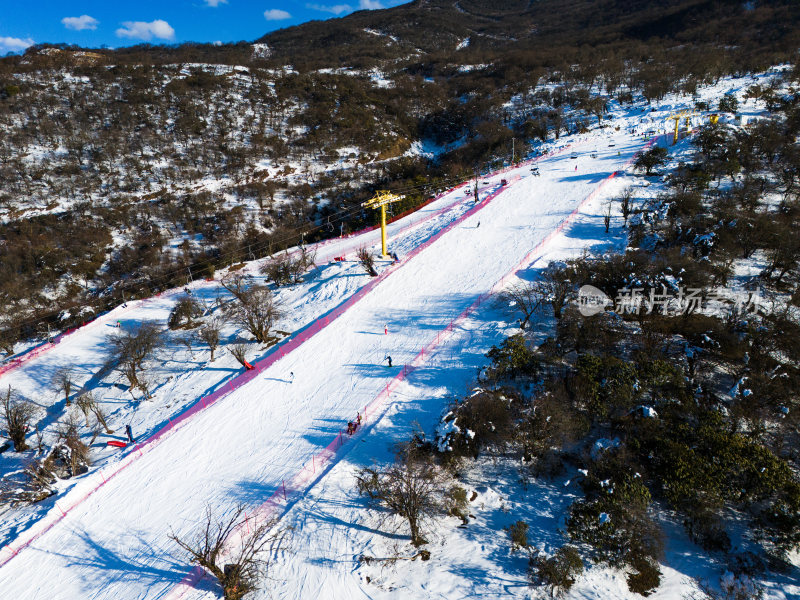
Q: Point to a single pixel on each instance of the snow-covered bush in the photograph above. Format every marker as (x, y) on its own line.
(614, 521)
(486, 419)
(558, 572)
(518, 534)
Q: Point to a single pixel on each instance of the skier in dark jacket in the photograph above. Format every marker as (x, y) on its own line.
(389, 358)
(129, 433)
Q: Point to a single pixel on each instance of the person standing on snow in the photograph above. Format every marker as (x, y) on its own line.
(129, 433)
(385, 330)
(389, 358)
(291, 376)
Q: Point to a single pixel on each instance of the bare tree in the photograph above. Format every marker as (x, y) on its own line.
(287, 269)
(232, 550)
(131, 349)
(84, 403)
(256, 311)
(210, 334)
(553, 287)
(412, 488)
(607, 216)
(17, 414)
(88, 404)
(187, 340)
(525, 298)
(235, 283)
(72, 449)
(367, 261)
(62, 379)
(239, 352)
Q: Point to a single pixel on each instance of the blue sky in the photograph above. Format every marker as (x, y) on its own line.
(115, 23)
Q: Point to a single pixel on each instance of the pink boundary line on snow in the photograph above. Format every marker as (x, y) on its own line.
(286, 494)
(51, 519)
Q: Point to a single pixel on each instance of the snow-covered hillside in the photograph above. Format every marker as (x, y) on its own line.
(262, 441)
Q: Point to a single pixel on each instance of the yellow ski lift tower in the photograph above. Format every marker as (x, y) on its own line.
(380, 200)
(684, 114)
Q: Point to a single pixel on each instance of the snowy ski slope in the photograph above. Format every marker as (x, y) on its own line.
(115, 544)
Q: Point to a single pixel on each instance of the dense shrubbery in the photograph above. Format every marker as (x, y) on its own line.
(695, 410)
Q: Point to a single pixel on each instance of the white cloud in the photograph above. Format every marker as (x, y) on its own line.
(336, 9)
(369, 4)
(12, 44)
(80, 23)
(215, 3)
(276, 14)
(140, 30)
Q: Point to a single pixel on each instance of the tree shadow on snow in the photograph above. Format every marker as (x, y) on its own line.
(592, 229)
(592, 177)
(325, 510)
(323, 431)
(142, 562)
(253, 493)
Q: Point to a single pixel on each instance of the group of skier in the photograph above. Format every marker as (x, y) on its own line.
(352, 426)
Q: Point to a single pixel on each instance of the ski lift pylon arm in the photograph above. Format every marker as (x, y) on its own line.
(381, 200)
